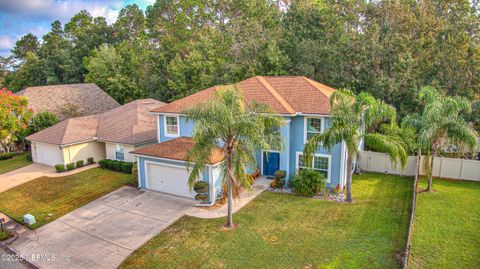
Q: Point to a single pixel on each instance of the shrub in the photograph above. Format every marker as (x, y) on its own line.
(116, 165)
(90, 160)
(279, 174)
(103, 164)
(127, 167)
(200, 187)
(307, 182)
(28, 157)
(70, 166)
(277, 183)
(79, 163)
(135, 171)
(6, 156)
(201, 197)
(60, 168)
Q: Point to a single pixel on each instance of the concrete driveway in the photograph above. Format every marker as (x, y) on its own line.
(102, 233)
(33, 171)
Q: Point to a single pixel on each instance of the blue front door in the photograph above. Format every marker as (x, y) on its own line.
(271, 163)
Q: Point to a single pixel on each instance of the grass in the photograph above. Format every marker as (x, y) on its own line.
(19, 160)
(59, 195)
(447, 224)
(285, 231)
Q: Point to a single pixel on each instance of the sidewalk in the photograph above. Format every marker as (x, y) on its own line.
(258, 187)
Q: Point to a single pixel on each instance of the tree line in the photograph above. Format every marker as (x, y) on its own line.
(390, 49)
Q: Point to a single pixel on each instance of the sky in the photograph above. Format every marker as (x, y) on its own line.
(19, 17)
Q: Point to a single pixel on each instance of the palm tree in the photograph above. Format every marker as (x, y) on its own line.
(352, 116)
(440, 121)
(239, 130)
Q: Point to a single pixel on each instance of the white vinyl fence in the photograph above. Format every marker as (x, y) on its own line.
(442, 167)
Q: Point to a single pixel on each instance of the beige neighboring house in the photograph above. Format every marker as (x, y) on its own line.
(69, 100)
(109, 135)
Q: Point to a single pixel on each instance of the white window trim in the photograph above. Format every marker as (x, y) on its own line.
(305, 120)
(261, 160)
(165, 133)
(329, 157)
(122, 146)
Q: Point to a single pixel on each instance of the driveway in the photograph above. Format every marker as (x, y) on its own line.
(33, 171)
(102, 233)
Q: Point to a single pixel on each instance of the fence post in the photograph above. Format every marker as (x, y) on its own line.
(461, 169)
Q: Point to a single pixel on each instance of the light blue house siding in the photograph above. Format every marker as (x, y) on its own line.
(186, 128)
(293, 132)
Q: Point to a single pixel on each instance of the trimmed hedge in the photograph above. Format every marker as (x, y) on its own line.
(60, 168)
(6, 156)
(79, 163)
(70, 166)
(90, 160)
(119, 166)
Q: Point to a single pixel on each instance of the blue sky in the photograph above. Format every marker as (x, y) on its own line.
(19, 17)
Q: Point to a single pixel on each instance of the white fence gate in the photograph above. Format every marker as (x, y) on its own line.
(442, 167)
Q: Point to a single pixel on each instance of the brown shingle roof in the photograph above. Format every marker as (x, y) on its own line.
(285, 94)
(175, 149)
(87, 97)
(69, 131)
(129, 124)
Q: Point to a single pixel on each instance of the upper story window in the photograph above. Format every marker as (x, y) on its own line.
(313, 126)
(171, 126)
(119, 152)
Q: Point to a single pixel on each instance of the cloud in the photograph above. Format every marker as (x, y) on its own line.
(60, 9)
(6, 42)
(19, 17)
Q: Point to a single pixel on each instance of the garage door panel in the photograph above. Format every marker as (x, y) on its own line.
(168, 179)
(47, 154)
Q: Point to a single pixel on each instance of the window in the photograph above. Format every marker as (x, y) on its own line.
(119, 152)
(319, 163)
(313, 126)
(171, 126)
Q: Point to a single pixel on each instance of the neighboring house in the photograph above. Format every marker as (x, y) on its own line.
(303, 103)
(70, 100)
(111, 135)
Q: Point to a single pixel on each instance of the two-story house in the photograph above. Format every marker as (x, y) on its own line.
(303, 103)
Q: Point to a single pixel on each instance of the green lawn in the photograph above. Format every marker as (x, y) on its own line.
(285, 231)
(59, 195)
(16, 162)
(447, 226)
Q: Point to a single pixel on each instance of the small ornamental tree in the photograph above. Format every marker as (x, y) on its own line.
(14, 117)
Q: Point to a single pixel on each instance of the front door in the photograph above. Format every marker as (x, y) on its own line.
(271, 163)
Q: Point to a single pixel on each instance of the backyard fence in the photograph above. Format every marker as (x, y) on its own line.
(442, 167)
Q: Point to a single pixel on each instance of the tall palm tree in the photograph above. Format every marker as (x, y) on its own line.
(440, 120)
(239, 129)
(352, 117)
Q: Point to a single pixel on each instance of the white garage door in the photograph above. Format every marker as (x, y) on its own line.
(47, 154)
(168, 179)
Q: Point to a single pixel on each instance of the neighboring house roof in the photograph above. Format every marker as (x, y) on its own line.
(286, 94)
(175, 149)
(86, 98)
(70, 131)
(128, 124)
